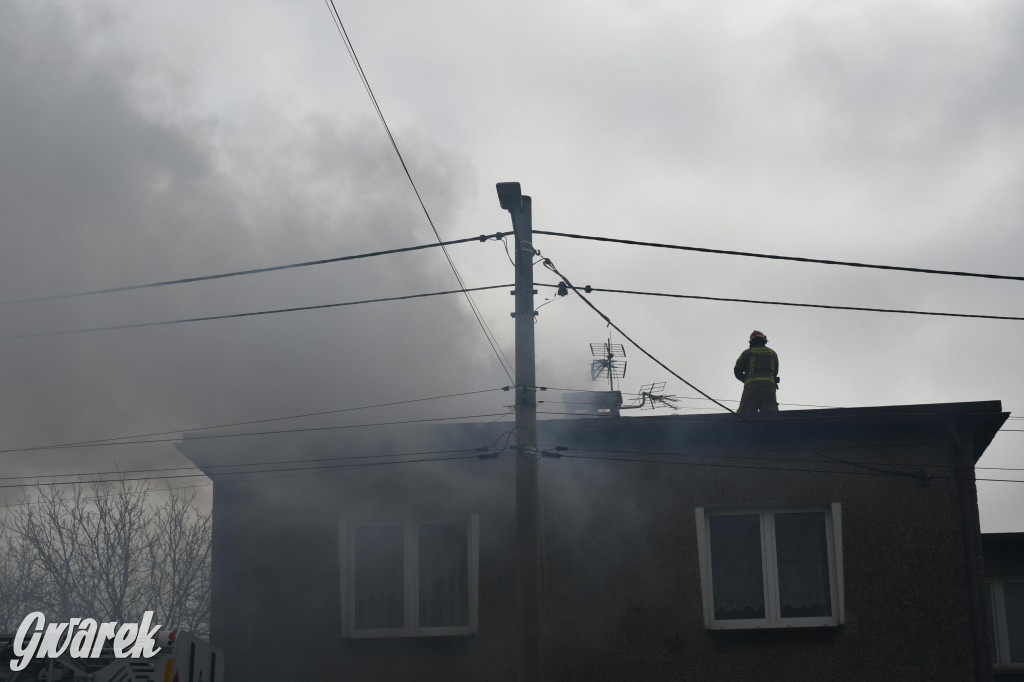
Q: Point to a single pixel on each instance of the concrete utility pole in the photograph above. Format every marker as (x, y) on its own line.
(528, 523)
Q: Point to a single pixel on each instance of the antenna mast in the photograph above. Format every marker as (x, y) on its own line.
(605, 362)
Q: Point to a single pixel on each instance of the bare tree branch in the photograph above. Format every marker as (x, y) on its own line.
(110, 551)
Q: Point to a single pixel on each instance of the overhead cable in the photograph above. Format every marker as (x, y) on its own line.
(51, 478)
(491, 339)
(252, 433)
(253, 271)
(759, 455)
(479, 455)
(725, 400)
(313, 470)
(804, 419)
(238, 473)
(787, 469)
(796, 305)
(486, 452)
(252, 314)
(223, 469)
(633, 242)
(169, 488)
(112, 440)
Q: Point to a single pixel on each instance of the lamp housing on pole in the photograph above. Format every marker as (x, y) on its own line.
(510, 196)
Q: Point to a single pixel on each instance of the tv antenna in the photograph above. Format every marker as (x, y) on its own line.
(651, 397)
(607, 362)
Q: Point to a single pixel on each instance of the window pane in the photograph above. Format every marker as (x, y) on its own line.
(736, 574)
(1013, 594)
(379, 577)
(444, 574)
(802, 551)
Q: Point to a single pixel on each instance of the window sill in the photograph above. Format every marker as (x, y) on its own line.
(763, 625)
(395, 633)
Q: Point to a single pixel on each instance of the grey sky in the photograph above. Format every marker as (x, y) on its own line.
(141, 141)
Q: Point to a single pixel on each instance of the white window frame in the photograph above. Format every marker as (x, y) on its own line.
(1000, 632)
(769, 570)
(346, 541)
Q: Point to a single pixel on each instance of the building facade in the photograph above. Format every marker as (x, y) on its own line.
(803, 545)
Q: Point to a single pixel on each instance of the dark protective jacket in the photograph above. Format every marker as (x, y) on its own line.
(758, 363)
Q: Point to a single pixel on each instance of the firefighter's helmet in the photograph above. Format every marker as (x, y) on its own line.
(758, 335)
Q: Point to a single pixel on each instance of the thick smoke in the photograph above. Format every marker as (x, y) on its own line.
(95, 193)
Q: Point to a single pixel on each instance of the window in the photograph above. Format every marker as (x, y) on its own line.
(771, 568)
(1006, 607)
(409, 580)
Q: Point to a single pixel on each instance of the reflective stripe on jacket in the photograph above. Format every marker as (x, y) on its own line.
(758, 364)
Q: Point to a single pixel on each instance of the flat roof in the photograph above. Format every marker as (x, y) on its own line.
(975, 423)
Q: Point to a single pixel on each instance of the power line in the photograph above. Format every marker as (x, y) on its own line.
(146, 438)
(730, 400)
(762, 454)
(491, 339)
(252, 314)
(45, 478)
(237, 473)
(797, 305)
(600, 420)
(258, 467)
(225, 469)
(305, 470)
(633, 242)
(479, 453)
(487, 456)
(168, 489)
(762, 468)
(484, 451)
(255, 433)
(253, 271)
(111, 440)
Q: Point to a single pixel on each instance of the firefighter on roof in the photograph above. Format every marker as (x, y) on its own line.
(758, 369)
